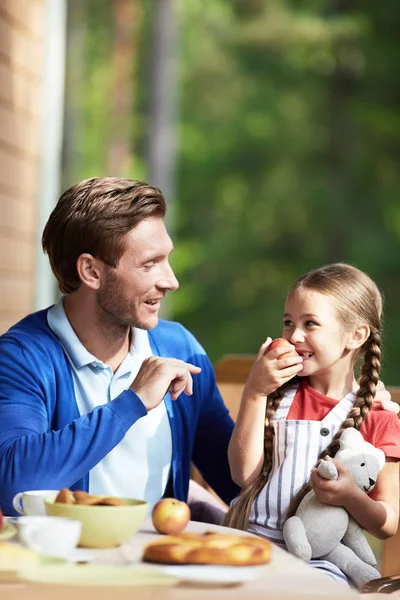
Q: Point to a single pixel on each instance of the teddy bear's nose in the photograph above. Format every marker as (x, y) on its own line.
(371, 481)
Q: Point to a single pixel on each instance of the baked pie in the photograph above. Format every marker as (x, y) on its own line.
(209, 549)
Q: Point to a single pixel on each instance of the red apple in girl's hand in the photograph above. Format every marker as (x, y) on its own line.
(170, 516)
(282, 342)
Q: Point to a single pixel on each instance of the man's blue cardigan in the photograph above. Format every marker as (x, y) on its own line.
(46, 444)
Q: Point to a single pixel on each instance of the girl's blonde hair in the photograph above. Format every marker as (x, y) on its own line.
(358, 301)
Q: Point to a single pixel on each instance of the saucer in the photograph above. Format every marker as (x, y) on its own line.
(110, 575)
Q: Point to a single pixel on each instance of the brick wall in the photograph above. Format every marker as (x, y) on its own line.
(21, 55)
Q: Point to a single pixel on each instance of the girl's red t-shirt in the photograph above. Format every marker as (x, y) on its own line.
(381, 428)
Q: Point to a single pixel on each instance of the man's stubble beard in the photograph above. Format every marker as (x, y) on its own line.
(114, 309)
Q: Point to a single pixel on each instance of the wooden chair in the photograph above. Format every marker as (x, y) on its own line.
(231, 373)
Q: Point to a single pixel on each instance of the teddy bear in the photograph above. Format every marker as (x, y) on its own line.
(328, 532)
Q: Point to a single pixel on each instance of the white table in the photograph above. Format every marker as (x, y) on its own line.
(285, 577)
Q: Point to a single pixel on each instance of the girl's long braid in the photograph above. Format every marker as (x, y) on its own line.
(361, 407)
(238, 515)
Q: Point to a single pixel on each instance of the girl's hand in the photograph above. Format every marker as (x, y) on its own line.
(334, 491)
(270, 371)
(383, 397)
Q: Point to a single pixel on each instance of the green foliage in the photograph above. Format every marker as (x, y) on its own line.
(96, 89)
(93, 88)
(289, 139)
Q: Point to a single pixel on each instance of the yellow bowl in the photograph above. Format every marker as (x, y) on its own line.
(102, 526)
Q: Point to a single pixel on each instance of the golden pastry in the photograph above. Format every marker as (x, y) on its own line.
(209, 549)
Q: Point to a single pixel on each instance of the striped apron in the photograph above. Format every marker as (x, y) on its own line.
(297, 447)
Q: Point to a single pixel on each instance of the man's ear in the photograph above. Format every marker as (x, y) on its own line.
(89, 270)
(358, 337)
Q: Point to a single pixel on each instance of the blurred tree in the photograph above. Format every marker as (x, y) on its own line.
(101, 71)
(73, 113)
(123, 57)
(162, 100)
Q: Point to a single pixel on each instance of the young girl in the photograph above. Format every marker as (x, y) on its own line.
(294, 409)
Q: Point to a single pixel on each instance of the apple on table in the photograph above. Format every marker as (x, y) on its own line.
(170, 516)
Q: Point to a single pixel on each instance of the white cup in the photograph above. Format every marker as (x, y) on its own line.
(32, 502)
(55, 536)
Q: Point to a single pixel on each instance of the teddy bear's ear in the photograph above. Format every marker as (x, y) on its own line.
(350, 438)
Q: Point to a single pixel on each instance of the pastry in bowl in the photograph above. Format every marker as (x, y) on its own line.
(209, 549)
(66, 496)
(106, 521)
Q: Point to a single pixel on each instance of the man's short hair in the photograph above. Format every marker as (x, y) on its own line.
(94, 216)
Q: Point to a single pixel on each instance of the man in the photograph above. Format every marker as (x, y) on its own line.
(95, 392)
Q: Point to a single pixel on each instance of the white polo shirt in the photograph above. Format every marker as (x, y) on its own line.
(139, 466)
